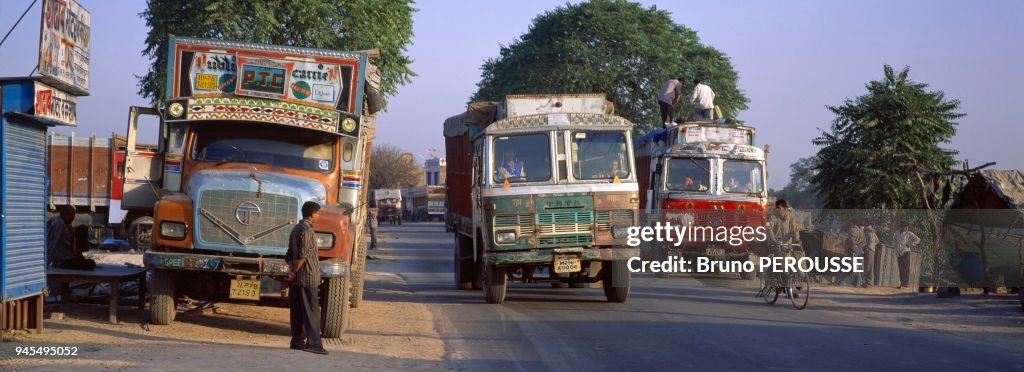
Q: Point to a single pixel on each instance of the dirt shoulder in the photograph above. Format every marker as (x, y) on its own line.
(389, 331)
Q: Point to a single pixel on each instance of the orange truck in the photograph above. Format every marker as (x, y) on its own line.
(248, 133)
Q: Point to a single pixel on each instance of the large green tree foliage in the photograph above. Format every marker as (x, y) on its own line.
(880, 141)
(799, 192)
(328, 24)
(618, 48)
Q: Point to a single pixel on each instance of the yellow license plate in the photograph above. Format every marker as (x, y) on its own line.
(567, 264)
(245, 289)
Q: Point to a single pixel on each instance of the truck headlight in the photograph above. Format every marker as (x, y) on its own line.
(324, 240)
(619, 232)
(172, 230)
(505, 237)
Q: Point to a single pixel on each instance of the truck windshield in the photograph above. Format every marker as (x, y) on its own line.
(599, 155)
(688, 174)
(261, 144)
(742, 177)
(522, 158)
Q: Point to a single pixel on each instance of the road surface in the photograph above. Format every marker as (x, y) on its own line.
(674, 323)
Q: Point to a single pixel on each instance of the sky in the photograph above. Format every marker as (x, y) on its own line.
(794, 58)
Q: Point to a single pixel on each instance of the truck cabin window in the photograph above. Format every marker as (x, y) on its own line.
(522, 158)
(742, 177)
(688, 174)
(599, 156)
(226, 142)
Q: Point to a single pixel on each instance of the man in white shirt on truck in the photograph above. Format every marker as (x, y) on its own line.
(703, 100)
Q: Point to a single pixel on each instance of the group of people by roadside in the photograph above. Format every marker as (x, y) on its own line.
(703, 99)
(861, 241)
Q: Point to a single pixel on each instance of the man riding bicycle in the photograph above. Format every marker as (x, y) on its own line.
(782, 230)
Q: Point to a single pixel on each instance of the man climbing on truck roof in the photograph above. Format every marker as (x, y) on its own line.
(668, 97)
(703, 100)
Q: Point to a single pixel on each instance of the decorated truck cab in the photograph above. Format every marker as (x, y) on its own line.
(248, 133)
(541, 189)
(704, 175)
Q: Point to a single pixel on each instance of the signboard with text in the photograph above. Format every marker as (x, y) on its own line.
(64, 45)
(324, 79)
(52, 103)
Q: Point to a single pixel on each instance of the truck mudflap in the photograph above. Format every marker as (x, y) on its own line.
(546, 256)
(235, 265)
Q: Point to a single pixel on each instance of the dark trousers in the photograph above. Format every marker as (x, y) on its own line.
(666, 111)
(305, 311)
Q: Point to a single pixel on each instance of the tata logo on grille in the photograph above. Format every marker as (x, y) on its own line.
(248, 213)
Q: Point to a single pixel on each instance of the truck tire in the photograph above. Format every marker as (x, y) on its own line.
(141, 240)
(464, 268)
(335, 309)
(662, 255)
(161, 306)
(616, 280)
(496, 284)
(358, 274)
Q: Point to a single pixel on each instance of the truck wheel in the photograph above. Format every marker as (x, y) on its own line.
(358, 274)
(496, 285)
(335, 309)
(616, 280)
(140, 233)
(161, 306)
(464, 268)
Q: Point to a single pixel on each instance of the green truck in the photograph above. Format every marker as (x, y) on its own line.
(541, 188)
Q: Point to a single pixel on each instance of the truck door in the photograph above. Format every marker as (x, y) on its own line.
(143, 167)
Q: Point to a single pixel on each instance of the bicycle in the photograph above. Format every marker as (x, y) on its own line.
(796, 286)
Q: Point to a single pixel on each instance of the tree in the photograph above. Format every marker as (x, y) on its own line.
(877, 140)
(328, 24)
(799, 192)
(618, 48)
(393, 169)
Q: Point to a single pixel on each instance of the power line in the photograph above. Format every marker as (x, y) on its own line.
(19, 21)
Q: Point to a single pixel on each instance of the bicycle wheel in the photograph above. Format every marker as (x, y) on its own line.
(770, 287)
(799, 289)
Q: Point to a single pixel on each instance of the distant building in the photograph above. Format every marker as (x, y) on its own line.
(434, 171)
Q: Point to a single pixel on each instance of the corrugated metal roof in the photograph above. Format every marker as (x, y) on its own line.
(1008, 184)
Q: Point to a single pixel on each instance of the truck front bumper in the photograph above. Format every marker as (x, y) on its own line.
(234, 265)
(547, 256)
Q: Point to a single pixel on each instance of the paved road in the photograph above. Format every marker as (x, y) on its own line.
(673, 323)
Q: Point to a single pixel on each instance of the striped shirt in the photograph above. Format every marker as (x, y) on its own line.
(302, 246)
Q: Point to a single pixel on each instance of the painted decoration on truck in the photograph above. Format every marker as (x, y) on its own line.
(272, 111)
(64, 34)
(326, 79)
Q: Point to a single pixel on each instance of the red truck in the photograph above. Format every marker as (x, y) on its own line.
(86, 172)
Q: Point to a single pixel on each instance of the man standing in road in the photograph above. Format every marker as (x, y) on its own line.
(703, 100)
(304, 279)
(373, 222)
(668, 96)
(869, 253)
(855, 244)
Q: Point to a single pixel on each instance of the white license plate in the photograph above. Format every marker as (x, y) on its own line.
(567, 264)
(715, 252)
(242, 289)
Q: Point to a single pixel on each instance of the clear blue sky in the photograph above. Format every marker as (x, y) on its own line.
(793, 58)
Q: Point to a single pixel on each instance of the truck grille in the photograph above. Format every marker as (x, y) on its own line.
(576, 222)
(566, 240)
(274, 210)
(605, 219)
(524, 221)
